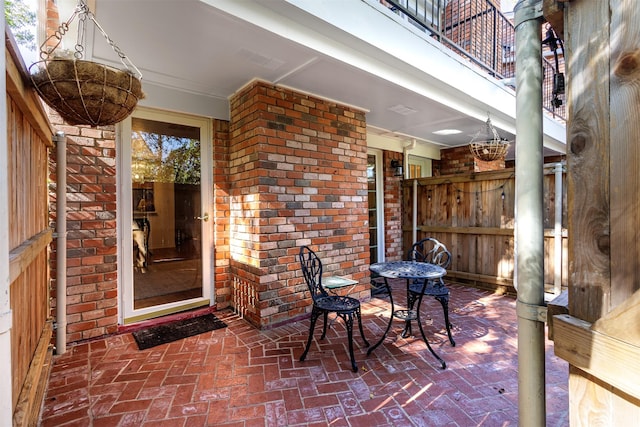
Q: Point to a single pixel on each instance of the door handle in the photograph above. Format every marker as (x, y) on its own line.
(204, 217)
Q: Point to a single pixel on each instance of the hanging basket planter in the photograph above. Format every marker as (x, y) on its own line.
(489, 151)
(487, 145)
(85, 92)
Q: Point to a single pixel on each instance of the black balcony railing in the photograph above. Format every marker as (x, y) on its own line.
(478, 31)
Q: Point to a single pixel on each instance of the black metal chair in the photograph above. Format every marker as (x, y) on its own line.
(345, 307)
(432, 251)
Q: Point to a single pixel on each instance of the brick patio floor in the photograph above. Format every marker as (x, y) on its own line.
(241, 376)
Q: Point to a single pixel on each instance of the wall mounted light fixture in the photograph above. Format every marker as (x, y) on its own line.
(398, 170)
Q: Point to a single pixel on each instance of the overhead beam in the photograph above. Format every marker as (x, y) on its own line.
(553, 12)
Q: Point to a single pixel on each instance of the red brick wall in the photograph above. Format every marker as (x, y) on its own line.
(288, 170)
(92, 299)
(297, 166)
(294, 173)
(482, 166)
(392, 208)
(221, 213)
(460, 160)
(471, 24)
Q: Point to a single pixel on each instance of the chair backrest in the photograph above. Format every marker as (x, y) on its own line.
(312, 271)
(430, 250)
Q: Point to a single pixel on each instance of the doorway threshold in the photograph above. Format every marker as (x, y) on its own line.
(123, 329)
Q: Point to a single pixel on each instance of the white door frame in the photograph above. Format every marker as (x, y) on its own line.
(126, 313)
(379, 201)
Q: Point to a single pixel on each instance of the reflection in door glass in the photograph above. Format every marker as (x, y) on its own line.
(166, 226)
(373, 208)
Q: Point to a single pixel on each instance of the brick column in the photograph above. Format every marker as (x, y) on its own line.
(221, 213)
(298, 177)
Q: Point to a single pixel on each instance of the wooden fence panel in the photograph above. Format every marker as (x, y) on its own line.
(473, 215)
(28, 182)
(28, 139)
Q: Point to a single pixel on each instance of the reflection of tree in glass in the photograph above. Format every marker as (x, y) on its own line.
(184, 161)
(168, 158)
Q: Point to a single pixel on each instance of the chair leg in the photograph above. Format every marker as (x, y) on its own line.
(411, 301)
(445, 307)
(348, 321)
(324, 325)
(358, 314)
(314, 317)
(443, 364)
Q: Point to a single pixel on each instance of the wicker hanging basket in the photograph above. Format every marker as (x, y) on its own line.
(487, 145)
(489, 151)
(85, 92)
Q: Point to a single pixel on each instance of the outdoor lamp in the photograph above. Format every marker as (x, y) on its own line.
(397, 168)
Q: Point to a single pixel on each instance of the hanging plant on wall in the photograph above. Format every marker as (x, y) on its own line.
(85, 92)
(486, 145)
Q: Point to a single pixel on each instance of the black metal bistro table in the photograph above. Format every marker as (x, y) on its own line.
(408, 270)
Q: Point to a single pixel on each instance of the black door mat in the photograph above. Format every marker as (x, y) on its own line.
(174, 331)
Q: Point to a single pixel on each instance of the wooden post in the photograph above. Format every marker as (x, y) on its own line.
(624, 118)
(588, 158)
(599, 336)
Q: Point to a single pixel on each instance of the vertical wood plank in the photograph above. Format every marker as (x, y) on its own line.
(590, 403)
(625, 153)
(587, 50)
(594, 403)
(603, 51)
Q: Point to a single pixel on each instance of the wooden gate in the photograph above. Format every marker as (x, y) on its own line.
(473, 215)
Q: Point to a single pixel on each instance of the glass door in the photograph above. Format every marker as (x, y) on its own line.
(165, 215)
(376, 207)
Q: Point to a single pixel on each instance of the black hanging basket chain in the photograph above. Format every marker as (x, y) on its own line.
(85, 92)
(486, 144)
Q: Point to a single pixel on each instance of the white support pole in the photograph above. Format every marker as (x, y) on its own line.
(414, 228)
(529, 233)
(61, 244)
(557, 231)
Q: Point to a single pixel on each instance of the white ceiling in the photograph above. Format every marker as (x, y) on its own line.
(209, 52)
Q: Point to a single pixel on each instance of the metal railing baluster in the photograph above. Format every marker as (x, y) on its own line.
(478, 31)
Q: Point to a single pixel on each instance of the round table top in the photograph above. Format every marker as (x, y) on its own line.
(408, 270)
